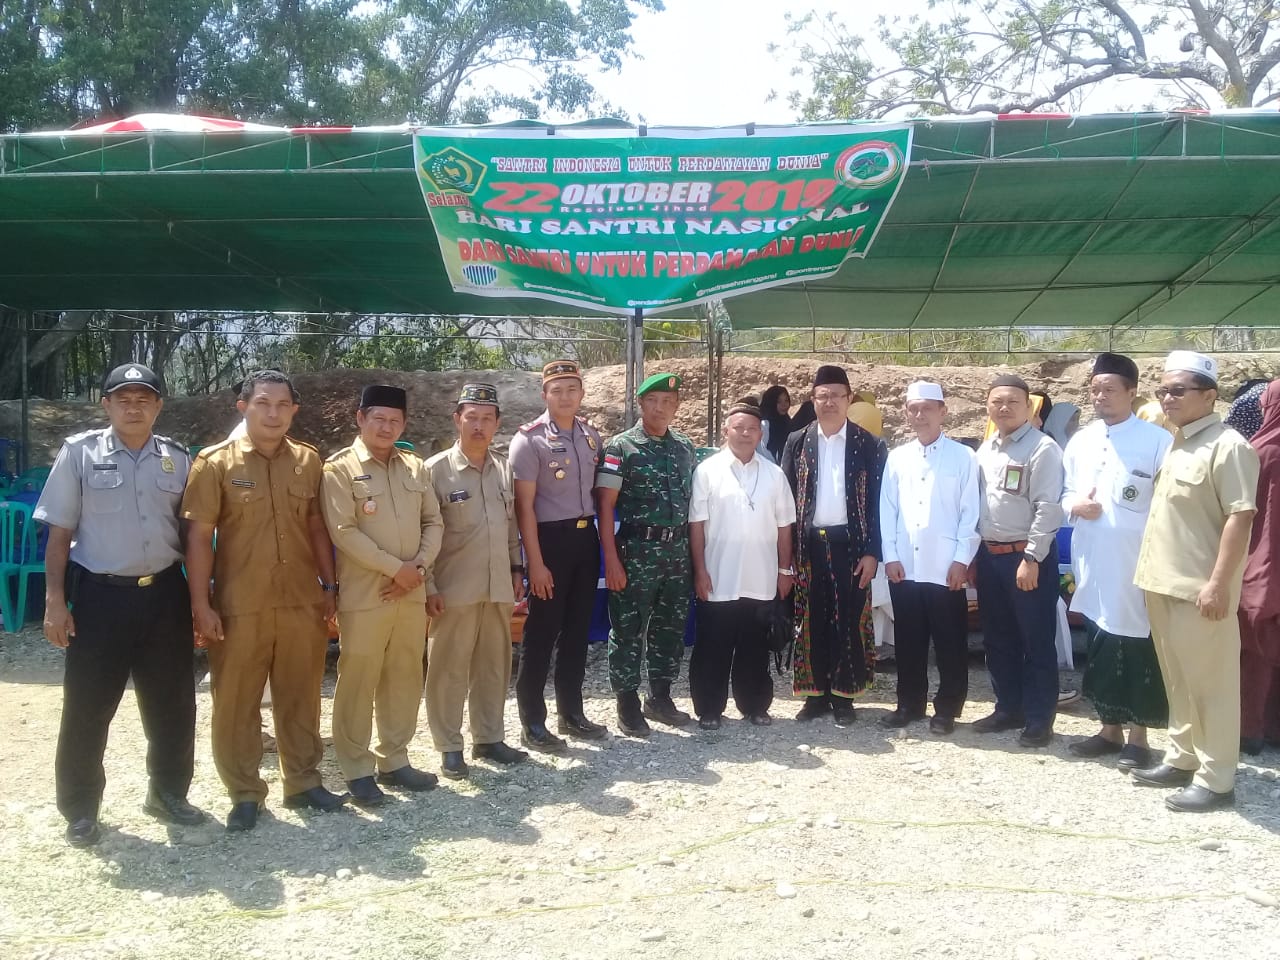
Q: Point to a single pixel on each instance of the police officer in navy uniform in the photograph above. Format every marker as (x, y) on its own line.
(553, 460)
(116, 600)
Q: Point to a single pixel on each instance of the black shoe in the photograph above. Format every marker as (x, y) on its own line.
(541, 739)
(1252, 746)
(759, 719)
(409, 778)
(1197, 799)
(845, 714)
(453, 766)
(83, 832)
(996, 723)
(365, 792)
(630, 717)
(1036, 737)
(659, 706)
(943, 726)
(1135, 758)
(1096, 746)
(577, 725)
(171, 808)
(899, 718)
(317, 798)
(813, 708)
(497, 752)
(1162, 775)
(243, 816)
(709, 723)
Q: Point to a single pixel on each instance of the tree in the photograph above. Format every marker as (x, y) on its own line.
(305, 61)
(1002, 56)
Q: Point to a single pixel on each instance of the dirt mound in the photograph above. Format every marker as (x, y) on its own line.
(327, 415)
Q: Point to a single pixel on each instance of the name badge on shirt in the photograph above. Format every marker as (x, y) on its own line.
(559, 449)
(244, 483)
(1014, 476)
(457, 496)
(106, 466)
(363, 476)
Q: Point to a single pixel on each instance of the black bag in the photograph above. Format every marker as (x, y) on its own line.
(781, 628)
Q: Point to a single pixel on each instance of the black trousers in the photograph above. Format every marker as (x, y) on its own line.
(732, 642)
(123, 632)
(924, 612)
(561, 623)
(835, 660)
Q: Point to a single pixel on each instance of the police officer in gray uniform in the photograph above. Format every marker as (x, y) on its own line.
(116, 600)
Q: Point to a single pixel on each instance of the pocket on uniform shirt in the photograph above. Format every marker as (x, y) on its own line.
(300, 497)
(1135, 493)
(1189, 472)
(105, 493)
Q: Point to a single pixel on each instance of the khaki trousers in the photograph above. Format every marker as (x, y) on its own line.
(468, 662)
(379, 674)
(286, 646)
(1200, 661)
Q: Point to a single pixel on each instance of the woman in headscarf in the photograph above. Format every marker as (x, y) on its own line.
(776, 425)
(1245, 415)
(1061, 422)
(1260, 592)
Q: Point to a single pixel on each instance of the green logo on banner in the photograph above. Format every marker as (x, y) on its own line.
(453, 170)
(617, 222)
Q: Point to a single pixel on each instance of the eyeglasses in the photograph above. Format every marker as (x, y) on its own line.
(829, 396)
(1177, 391)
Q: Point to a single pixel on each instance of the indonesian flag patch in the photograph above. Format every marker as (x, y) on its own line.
(611, 462)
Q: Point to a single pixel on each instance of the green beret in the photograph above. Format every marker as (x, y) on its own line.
(660, 383)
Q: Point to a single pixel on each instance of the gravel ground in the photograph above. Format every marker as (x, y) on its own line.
(788, 841)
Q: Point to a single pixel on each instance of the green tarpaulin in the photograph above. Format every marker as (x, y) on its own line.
(1166, 219)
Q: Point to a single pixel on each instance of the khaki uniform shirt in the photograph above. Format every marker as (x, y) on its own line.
(1021, 481)
(1208, 474)
(481, 540)
(262, 558)
(121, 506)
(379, 515)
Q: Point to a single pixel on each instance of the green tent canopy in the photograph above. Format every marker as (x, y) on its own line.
(1031, 220)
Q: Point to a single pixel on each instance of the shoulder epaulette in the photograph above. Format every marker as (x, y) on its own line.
(333, 457)
(214, 448)
(303, 443)
(526, 427)
(82, 435)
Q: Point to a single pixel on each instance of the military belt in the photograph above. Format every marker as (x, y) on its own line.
(638, 531)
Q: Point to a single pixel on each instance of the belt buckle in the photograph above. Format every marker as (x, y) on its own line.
(147, 580)
(583, 524)
(822, 531)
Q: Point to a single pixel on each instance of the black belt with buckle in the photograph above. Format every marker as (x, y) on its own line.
(835, 534)
(111, 580)
(572, 523)
(638, 531)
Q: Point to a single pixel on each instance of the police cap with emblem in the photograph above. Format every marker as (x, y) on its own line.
(561, 370)
(660, 383)
(485, 393)
(131, 375)
(381, 395)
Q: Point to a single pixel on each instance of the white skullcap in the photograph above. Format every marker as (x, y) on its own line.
(1189, 361)
(924, 390)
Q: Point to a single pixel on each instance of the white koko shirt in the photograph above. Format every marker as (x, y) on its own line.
(1118, 464)
(830, 508)
(929, 504)
(743, 506)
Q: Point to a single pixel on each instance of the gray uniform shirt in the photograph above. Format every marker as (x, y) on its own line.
(121, 507)
(1021, 480)
(562, 463)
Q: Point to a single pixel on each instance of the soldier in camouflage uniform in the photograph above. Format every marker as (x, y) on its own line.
(646, 476)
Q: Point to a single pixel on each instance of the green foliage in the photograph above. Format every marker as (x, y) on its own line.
(1002, 56)
(306, 61)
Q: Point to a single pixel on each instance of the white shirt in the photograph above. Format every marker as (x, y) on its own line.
(1118, 464)
(830, 509)
(929, 504)
(743, 505)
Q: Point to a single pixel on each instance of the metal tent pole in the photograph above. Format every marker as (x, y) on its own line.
(635, 362)
(24, 455)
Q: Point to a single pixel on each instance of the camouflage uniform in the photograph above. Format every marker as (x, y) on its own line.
(654, 478)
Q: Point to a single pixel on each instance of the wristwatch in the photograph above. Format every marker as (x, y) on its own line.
(328, 587)
(787, 571)
(1029, 558)
(422, 571)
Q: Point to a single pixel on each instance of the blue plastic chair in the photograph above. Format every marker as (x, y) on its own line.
(18, 559)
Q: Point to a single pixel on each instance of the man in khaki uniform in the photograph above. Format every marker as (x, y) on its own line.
(1190, 565)
(385, 522)
(264, 614)
(477, 579)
